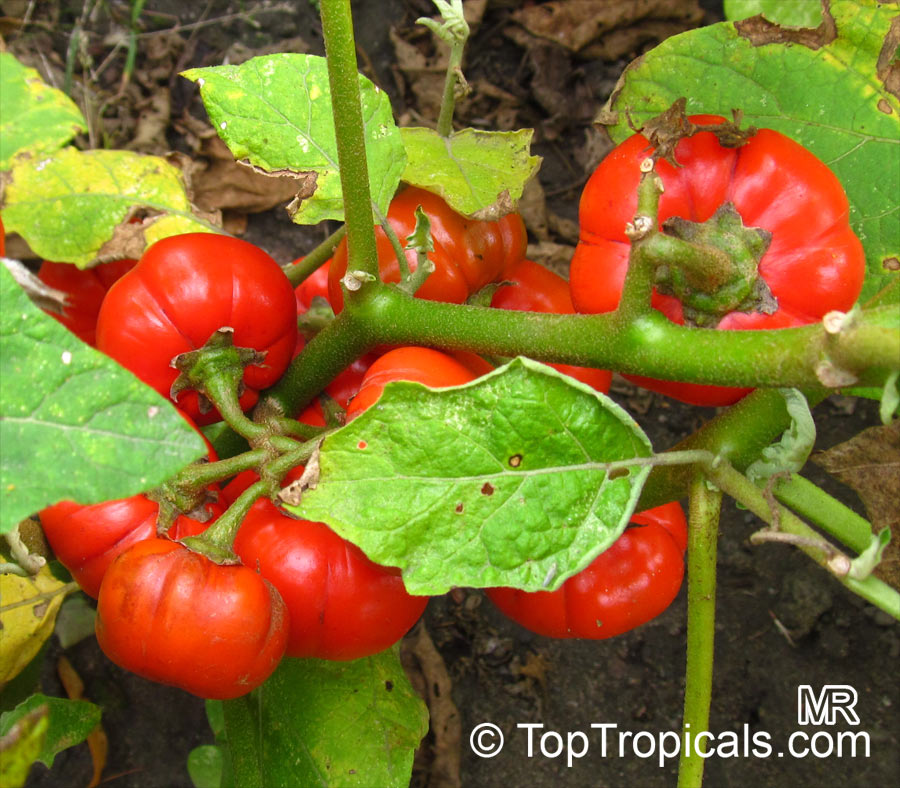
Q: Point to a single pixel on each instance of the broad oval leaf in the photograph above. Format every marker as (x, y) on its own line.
(274, 112)
(34, 117)
(73, 423)
(478, 173)
(503, 482)
(316, 722)
(829, 91)
(69, 204)
(69, 723)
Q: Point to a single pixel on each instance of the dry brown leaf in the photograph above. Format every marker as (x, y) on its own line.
(535, 667)
(533, 209)
(153, 119)
(869, 463)
(574, 24)
(553, 255)
(428, 674)
(632, 40)
(216, 182)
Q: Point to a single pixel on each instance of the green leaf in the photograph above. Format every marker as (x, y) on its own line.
(830, 95)
(797, 13)
(68, 204)
(205, 765)
(34, 118)
(73, 423)
(19, 747)
(316, 722)
(503, 482)
(75, 621)
(274, 112)
(793, 449)
(478, 173)
(70, 723)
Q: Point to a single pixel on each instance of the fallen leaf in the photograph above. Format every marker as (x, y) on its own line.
(869, 463)
(574, 24)
(428, 674)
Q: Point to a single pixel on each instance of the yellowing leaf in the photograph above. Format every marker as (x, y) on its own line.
(68, 204)
(34, 117)
(27, 615)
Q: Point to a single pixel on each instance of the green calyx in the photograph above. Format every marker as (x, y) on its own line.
(716, 269)
(218, 359)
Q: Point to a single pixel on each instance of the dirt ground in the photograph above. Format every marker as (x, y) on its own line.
(781, 623)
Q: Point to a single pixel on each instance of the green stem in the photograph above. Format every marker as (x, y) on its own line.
(340, 48)
(325, 356)
(221, 391)
(199, 475)
(738, 434)
(217, 540)
(794, 530)
(705, 505)
(649, 345)
(451, 80)
(825, 512)
(296, 429)
(310, 263)
(396, 245)
(638, 285)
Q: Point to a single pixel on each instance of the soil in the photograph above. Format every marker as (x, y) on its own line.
(781, 622)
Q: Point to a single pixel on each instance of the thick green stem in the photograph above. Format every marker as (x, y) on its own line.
(738, 434)
(329, 352)
(705, 505)
(649, 345)
(244, 736)
(340, 48)
(307, 266)
(825, 512)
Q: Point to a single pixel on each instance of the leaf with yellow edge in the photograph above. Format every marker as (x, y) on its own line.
(27, 615)
(479, 173)
(69, 204)
(19, 748)
(35, 117)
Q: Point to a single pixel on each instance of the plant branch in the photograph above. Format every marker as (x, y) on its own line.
(649, 345)
(703, 531)
(307, 266)
(825, 512)
(809, 541)
(340, 48)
